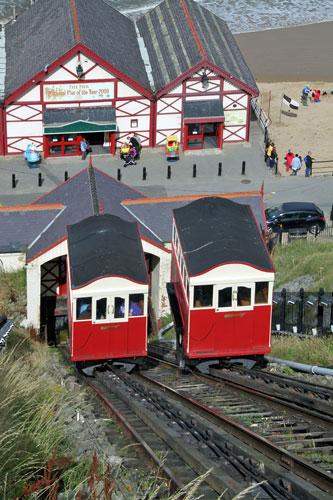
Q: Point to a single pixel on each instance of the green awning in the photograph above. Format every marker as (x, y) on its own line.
(80, 127)
(79, 120)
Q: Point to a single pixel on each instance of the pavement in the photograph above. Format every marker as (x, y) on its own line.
(277, 189)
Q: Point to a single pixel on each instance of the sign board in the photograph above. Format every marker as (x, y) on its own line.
(78, 91)
(235, 117)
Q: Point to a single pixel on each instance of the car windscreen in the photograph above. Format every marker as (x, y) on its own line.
(273, 212)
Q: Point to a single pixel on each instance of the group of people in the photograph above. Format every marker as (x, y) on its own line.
(294, 163)
(313, 94)
(271, 156)
(130, 150)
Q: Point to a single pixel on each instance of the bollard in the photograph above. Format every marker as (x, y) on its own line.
(40, 180)
(194, 170)
(169, 172)
(243, 168)
(66, 176)
(13, 181)
(144, 173)
(220, 169)
(118, 175)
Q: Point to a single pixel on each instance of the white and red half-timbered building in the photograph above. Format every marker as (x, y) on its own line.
(79, 68)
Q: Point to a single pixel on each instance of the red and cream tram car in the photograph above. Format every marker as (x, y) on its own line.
(221, 283)
(107, 292)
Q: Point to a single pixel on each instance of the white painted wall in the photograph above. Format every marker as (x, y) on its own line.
(11, 261)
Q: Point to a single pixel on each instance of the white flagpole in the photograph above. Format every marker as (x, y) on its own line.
(281, 109)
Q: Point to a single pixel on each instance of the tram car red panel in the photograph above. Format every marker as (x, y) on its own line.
(107, 291)
(221, 282)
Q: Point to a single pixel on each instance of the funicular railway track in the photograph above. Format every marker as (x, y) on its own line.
(191, 445)
(318, 398)
(298, 439)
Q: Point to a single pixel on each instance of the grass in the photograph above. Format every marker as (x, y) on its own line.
(313, 351)
(301, 258)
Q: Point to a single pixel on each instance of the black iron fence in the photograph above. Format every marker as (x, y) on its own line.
(303, 312)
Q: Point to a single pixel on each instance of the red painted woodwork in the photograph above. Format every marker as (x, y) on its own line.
(108, 340)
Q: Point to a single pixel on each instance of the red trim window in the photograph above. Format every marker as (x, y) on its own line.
(195, 135)
(63, 145)
(134, 123)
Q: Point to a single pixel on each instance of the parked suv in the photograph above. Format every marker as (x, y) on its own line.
(295, 215)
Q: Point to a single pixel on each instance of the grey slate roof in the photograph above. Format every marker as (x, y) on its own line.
(19, 228)
(70, 115)
(46, 30)
(172, 47)
(158, 216)
(203, 109)
(75, 195)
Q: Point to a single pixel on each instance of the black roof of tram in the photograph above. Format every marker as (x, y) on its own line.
(215, 231)
(105, 245)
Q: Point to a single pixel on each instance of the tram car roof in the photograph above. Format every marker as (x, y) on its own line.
(105, 245)
(216, 231)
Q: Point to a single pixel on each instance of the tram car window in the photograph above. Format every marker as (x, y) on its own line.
(222, 277)
(108, 287)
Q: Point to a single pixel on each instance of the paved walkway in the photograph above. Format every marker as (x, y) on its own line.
(277, 189)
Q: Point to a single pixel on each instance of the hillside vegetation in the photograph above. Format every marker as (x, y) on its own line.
(301, 258)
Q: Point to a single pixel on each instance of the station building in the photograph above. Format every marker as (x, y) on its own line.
(79, 68)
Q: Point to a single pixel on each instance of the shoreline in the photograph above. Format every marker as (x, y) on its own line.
(293, 54)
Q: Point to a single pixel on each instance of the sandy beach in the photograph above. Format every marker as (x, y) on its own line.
(283, 61)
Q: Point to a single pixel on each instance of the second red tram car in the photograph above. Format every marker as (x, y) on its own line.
(107, 291)
(221, 283)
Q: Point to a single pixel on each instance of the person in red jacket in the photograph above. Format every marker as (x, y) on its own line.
(289, 158)
(316, 96)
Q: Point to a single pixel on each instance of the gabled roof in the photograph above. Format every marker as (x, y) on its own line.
(165, 43)
(20, 225)
(102, 246)
(179, 34)
(215, 231)
(48, 29)
(156, 213)
(76, 195)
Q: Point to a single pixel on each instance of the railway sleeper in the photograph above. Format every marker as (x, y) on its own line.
(229, 447)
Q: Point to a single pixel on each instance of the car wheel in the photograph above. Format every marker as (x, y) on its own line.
(314, 229)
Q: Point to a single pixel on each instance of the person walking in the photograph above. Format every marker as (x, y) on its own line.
(295, 164)
(269, 152)
(308, 164)
(136, 144)
(83, 148)
(289, 158)
(273, 158)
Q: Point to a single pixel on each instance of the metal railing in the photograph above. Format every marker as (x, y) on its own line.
(319, 169)
(262, 117)
(303, 312)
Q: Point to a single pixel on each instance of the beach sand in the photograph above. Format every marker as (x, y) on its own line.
(283, 61)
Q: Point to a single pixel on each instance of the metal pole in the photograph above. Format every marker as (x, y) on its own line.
(169, 172)
(194, 170)
(320, 314)
(243, 168)
(283, 309)
(118, 175)
(13, 181)
(281, 108)
(40, 180)
(144, 173)
(300, 311)
(220, 169)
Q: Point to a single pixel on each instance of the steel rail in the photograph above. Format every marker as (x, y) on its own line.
(304, 469)
(167, 473)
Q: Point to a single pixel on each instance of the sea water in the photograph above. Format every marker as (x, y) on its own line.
(241, 15)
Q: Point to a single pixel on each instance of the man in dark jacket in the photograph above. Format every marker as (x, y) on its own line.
(308, 164)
